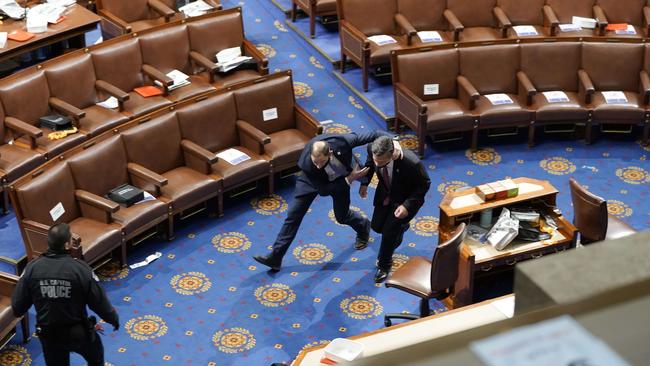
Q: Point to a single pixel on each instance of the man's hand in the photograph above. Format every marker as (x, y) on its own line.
(356, 174)
(99, 328)
(401, 212)
(363, 191)
(397, 150)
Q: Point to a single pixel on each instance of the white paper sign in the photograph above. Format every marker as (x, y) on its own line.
(269, 114)
(109, 103)
(178, 77)
(3, 39)
(629, 30)
(525, 30)
(57, 211)
(382, 40)
(556, 96)
(196, 8)
(150, 258)
(569, 27)
(429, 36)
(614, 97)
(431, 89)
(498, 99)
(589, 23)
(233, 156)
(559, 341)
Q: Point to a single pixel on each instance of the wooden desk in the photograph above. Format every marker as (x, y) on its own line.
(420, 330)
(478, 260)
(78, 21)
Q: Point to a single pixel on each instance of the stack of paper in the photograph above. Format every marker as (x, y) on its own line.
(64, 3)
(233, 156)
(556, 96)
(50, 12)
(614, 97)
(569, 27)
(382, 40)
(109, 103)
(230, 58)
(628, 30)
(179, 79)
(196, 8)
(589, 23)
(12, 9)
(499, 98)
(427, 37)
(3, 39)
(525, 30)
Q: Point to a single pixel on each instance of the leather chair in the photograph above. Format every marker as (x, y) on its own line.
(90, 173)
(120, 65)
(168, 49)
(167, 166)
(426, 112)
(200, 125)
(26, 97)
(591, 217)
(204, 47)
(632, 12)
(313, 8)
(474, 20)
(72, 79)
(558, 12)
(282, 139)
(356, 25)
(423, 15)
(549, 67)
(89, 215)
(511, 13)
(8, 322)
(614, 67)
(126, 16)
(428, 279)
(489, 70)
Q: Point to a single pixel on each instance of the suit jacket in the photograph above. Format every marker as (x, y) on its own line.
(313, 179)
(409, 183)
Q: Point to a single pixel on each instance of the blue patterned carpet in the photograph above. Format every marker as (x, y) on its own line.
(206, 302)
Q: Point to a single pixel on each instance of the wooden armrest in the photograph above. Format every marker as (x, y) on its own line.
(8, 277)
(525, 88)
(646, 18)
(455, 24)
(96, 201)
(23, 127)
(644, 87)
(408, 28)
(67, 108)
(213, 4)
(306, 123)
(249, 49)
(115, 19)
(113, 91)
(161, 9)
(158, 75)
(205, 63)
(199, 152)
(601, 19)
(253, 132)
(502, 19)
(550, 19)
(146, 174)
(410, 95)
(467, 93)
(586, 86)
(354, 32)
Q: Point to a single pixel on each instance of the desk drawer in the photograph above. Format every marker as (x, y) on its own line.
(511, 261)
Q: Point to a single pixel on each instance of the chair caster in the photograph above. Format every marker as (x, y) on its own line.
(387, 322)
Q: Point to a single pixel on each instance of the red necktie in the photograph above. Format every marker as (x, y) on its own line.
(386, 177)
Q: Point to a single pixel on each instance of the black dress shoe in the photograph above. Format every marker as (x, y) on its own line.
(381, 275)
(362, 239)
(269, 261)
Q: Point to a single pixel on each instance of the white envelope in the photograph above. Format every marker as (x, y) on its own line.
(525, 30)
(382, 40)
(569, 27)
(429, 36)
(556, 96)
(499, 98)
(614, 97)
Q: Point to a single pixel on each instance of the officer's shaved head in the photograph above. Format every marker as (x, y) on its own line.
(320, 148)
(58, 236)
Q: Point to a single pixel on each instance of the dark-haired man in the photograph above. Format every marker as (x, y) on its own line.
(327, 170)
(60, 287)
(403, 183)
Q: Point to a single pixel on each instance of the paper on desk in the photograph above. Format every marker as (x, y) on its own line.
(49, 11)
(63, 3)
(382, 39)
(149, 259)
(506, 306)
(229, 58)
(429, 36)
(3, 39)
(525, 30)
(179, 79)
(558, 341)
(465, 201)
(498, 98)
(233, 156)
(569, 27)
(12, 9)
(629, 30)
(556, 96)
(147, 197)
(196, 8)
(109, 103)
(614, 97)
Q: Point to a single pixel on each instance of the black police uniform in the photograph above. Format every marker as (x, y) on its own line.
(60, 287)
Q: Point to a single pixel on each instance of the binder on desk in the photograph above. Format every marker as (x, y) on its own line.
(148, 91)
(20, 36)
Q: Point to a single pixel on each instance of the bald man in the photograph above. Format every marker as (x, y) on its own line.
(327, 170)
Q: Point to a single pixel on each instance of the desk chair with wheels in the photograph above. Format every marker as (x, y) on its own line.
(591, 217)
(428, 279)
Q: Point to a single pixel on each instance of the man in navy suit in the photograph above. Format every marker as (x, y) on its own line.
(326, 165)
(403, 183)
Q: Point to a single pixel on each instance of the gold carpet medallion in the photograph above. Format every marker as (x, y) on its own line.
(271, 205)
(619, 209)
(557, 166)
(190, 283)
(313, 253)
(633, 175)
(275, 295)
(361, 307)
(451, 186)
(408, 141)
(13, 355)
(399, 260)
(266, 50)
(144, 328)
(484, 156)
(314, 61)
(425, 225)
(231, 242)
(112, 271)
(337, 128)
(302, 90)
(233, 340)
(356, 209)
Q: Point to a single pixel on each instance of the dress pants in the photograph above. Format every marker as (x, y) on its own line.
(58, 345)
(392, 232)
(342, 212)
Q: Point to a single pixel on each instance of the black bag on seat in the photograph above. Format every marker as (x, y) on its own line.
(126, 194)
(55, 122)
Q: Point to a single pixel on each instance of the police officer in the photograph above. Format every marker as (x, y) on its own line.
(60, 287)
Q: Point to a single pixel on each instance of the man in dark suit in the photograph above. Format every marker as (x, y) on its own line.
(403, 183)
(326, 165)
